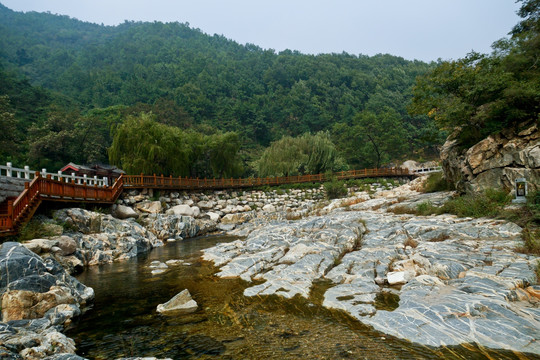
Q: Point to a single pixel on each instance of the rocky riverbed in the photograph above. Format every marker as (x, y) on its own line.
(457, 280)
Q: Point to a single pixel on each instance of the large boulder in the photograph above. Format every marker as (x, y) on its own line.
(31, 286)
(124, 212)
(495, 162)
(151, 207)
(104, 239)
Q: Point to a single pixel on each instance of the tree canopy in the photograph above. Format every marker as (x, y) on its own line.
(306, 154)
(81, 81)
(483, 94)
(141, 145)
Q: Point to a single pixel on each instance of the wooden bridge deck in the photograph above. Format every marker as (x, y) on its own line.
(179, 183)
(16, 213)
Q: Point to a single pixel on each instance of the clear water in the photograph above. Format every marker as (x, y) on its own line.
(227, 325)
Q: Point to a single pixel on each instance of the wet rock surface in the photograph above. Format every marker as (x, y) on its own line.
(459, 280)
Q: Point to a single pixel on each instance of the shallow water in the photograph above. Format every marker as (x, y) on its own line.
(227, 325)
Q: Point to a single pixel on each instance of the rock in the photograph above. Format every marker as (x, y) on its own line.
(399, 277)
(178, 226)
(236, 218)
(184, 210)
(158, 265)
(40, 246)
(226, 227)
(269, 208)
(38, 298)
(206, 205)
(180, 303)
(213, 216)
(174, 262)
(66, 244)
(495, 162)
(460, 277)
(151, 207)
(124, 212)
(22, 304)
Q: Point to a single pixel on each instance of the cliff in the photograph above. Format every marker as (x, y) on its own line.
(495, 162)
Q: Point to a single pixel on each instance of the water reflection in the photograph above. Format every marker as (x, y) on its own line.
(227, 325)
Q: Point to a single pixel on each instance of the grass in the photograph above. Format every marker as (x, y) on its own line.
(488, 204)
(285, 187)
(335, 189)
(36, 229)
(492, 204)
(436, 182)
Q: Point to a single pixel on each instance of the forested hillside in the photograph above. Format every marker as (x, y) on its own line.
(84, 80)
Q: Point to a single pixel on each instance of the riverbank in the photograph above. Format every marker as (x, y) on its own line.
(458, 280)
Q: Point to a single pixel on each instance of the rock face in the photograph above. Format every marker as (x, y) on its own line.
(98, 238)
(459, 279)
(495, 162)
(180, 303)
(38, 299)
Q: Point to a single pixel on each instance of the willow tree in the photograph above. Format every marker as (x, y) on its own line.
(306, 154)
(223, 154)
(142, 145)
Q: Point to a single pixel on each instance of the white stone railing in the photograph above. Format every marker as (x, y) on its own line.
(427, 170)
(26, 174)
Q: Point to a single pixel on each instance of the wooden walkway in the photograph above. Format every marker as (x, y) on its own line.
(19, 211)
(15, 213)
(179, 183)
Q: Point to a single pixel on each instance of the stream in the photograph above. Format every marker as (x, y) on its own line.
(124, 323)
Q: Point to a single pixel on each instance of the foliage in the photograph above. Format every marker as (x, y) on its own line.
(208, 84)
(36, 229)
(483, 94)
(335, 189)
(9, 134)
(142, 145)
(488, 204)
(306, 154)
(436, 182)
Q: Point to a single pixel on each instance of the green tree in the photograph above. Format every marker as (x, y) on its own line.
(54, 143)
(307, 154)
(224, 159)
(9, 136)
(368, 142)
(483, 94)
(142, 145)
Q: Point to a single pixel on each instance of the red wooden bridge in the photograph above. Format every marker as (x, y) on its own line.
(15, 212)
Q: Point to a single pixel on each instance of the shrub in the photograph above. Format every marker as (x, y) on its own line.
(335, 189)
(436, 182)
(36, 229)
(488, 204)
(426, 208)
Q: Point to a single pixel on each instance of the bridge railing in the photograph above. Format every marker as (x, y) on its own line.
(26, 174)
(428, 170)
(47, 188)
(180, 183)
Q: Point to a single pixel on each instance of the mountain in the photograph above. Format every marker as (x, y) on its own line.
(213, 83)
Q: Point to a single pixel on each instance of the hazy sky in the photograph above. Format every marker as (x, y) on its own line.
(414, 29)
